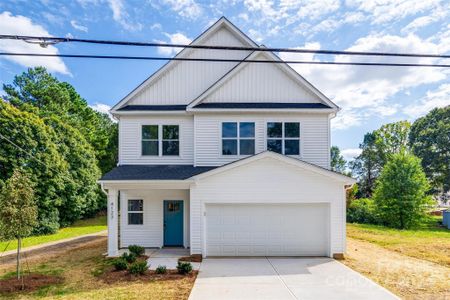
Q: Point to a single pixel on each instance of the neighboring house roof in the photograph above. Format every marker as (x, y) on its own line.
(267, 105)
(287, 159)
(153, 172)
(152, 107)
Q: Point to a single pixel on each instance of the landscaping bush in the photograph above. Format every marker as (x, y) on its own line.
(161, 270)
(362, 211)
(120, 264)
(184, 267)
(129, 257)
(138, 268)
(137, 250)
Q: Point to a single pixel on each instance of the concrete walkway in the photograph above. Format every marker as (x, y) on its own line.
(53, 243)
(167, 257)
(283, 278)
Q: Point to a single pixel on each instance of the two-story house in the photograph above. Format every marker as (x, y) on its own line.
(226, 158)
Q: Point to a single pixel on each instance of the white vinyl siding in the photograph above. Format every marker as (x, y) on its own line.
(268, 181)
(151, 232)
(314, 134)
(130, 131)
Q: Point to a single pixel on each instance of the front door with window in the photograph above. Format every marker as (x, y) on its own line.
(173, 223)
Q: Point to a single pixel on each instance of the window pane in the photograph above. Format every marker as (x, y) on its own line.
(170, 132)
(247, 129)
(229, 147)
(150, 132)
(274, 129)
(292, 130)
(150, 148)
(247, 147)
(291, 147)
(171, 148)
(229, 129)
(135, 205)
(135, 218)
(274, 145)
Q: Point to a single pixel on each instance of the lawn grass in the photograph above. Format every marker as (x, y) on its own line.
(429, 241)
(80, 227)
(81, 266)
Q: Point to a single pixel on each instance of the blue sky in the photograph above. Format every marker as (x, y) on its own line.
(369, 96)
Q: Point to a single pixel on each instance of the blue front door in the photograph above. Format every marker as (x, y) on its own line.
(173, 223)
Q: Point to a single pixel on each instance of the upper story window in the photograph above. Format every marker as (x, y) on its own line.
(283, 137)
(238, 138)
(160, 139)
(136, 212)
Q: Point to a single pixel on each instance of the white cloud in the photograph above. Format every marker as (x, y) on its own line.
(175, 38)
(243, 16)
(433, 99)
(156, 26)
(350, 153)
(121, 16)
(21, 25)
(186, 8)
(365, 92)
(102, 108)
(78, 26)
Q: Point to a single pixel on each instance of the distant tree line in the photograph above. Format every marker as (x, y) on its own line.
(60, 143)
(390, 167)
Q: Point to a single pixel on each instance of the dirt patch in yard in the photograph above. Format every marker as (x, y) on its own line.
(112, 277)
(30, 282)
(408, 277)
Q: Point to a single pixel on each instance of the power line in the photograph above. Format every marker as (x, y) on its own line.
(225, 60)
(47, 40)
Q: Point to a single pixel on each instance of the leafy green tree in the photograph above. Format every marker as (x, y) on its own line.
(81, 195)
(18, 211)
(401, 193)
(38, 91)
(430, 140)
(27, 143)
(338, 163)
(377, 148)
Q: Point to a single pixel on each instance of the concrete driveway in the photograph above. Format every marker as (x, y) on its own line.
(282, 278)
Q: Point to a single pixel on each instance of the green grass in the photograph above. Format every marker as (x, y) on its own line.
(80, 227)
(428, 241)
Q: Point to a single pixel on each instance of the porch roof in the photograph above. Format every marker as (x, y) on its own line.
(153, 172)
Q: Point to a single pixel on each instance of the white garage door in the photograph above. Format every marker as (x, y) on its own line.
(266, 229)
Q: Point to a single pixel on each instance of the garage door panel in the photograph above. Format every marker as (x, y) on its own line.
(266, 229)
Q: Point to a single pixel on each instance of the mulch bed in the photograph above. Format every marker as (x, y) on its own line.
(192, 258)
(31, 282)
(112, 276)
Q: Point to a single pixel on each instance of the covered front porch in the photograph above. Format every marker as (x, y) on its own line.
(148, 214)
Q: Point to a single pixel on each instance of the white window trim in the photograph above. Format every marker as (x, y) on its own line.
(135, 212)
(160, 140)
(283, 138)
(238, 138)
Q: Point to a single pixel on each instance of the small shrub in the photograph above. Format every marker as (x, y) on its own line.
(184, 267)
(138, 268)
(137, 250)
(129, 257)
(362, 211)
(161, 270)
(120, 264)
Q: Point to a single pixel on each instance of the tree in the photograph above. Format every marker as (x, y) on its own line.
(31, 147)
(377, 148)
(430, 140)
(18, 211)
(400, 196)
(38, 91)
(338, 163)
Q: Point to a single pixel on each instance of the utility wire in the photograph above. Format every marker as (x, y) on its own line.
(226, 60)
(47, 40)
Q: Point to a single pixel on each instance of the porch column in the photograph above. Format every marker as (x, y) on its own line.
(113, 248)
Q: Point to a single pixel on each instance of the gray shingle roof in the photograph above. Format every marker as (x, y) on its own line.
(154, 172)
(260, 105)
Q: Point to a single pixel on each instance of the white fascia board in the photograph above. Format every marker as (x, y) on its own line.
(149, 112)
(146, 184)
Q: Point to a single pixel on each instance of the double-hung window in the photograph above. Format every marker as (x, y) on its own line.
(283, 137)
(136, 212)
(160, 140)
(238, 138)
